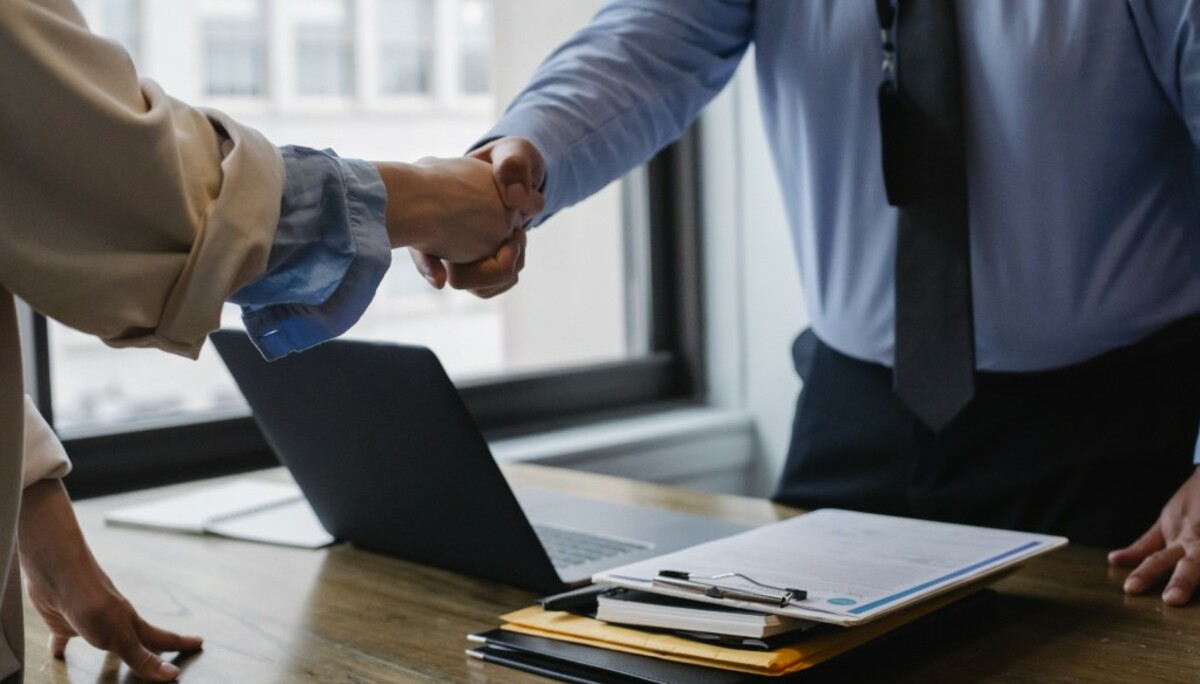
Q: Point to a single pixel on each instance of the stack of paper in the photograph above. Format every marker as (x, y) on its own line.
(866, 574)
(803, 654)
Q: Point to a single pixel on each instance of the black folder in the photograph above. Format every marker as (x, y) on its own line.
(580, 664)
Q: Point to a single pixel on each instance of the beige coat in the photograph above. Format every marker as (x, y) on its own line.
(123, 213)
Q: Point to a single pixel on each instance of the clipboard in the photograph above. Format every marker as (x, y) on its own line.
(850, 567)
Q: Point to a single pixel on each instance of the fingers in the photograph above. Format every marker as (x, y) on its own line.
(1170, 547)
(497, 271)
(157, 639)
(431, 267)
(137, 647)
(519, 171)
(488, 293)
(535, 206)
(1183, 581)
(514, 176)
(1153, 569)
(141, 661)
(1136, 552)
(134, 648)
(58, 645)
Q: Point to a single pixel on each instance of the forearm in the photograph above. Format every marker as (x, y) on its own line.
(50, 541)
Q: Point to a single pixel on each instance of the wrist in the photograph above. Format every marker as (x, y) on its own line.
(408, 205)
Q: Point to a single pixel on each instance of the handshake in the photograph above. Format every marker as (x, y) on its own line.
(464, 219)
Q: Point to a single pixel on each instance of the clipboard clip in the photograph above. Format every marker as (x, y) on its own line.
(710, 587)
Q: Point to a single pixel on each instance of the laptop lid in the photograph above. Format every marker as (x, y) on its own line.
(379, 440)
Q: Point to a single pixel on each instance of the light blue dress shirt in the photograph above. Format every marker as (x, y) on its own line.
(1082, 117)
(331, 250)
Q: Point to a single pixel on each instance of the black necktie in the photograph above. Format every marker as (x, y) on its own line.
(925, 170)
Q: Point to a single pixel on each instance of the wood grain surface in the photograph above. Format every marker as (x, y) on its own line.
(343, 615)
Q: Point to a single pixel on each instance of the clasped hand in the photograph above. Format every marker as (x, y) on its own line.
(453, 213)
(517, 171)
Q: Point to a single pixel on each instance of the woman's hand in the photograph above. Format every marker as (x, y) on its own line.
(76, 598)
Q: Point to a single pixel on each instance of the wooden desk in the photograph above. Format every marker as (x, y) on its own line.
(272, 614)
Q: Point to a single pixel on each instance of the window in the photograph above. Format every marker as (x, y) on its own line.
(603, 319)
(405, 35)
(474, 21)
(234, 47)
(324, 46)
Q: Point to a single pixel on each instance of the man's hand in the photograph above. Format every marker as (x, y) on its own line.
(76, 598)
(1170, 547)
(447, 208)
(518, 172)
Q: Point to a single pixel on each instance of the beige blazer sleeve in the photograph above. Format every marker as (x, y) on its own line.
(123, 212)
(45, 457)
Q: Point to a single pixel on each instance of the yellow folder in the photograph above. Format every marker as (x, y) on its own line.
(802, 655)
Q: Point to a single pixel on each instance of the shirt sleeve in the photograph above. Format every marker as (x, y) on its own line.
(624, 87)
(330, 252)
(1170, 34)
(45, 457)
(133, 216)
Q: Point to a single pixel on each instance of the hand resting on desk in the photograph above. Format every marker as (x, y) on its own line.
(76, 598)
(1170, 547)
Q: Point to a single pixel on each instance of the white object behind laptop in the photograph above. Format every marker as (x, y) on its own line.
(253, 510)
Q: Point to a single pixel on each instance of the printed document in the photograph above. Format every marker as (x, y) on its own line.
(854, 566)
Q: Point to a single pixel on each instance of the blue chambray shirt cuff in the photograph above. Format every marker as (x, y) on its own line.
(1196, 453)
(291, 322)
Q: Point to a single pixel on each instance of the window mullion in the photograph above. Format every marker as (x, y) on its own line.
(35, 358)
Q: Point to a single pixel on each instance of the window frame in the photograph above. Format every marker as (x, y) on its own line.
(670, 375)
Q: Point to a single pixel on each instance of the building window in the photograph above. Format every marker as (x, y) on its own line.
(234, 48)
(324, 33)
(405, 34)
(475, 47)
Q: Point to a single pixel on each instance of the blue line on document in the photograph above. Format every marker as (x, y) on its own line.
(957, 573)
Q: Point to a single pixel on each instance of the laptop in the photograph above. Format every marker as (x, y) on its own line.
(380, 442)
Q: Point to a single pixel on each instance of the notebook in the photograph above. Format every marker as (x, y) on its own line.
(644, 609)
(248, 509)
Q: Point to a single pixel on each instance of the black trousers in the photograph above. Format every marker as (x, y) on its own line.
(1090, 451)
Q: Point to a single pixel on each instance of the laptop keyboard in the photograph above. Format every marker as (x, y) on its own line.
(570, 547)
